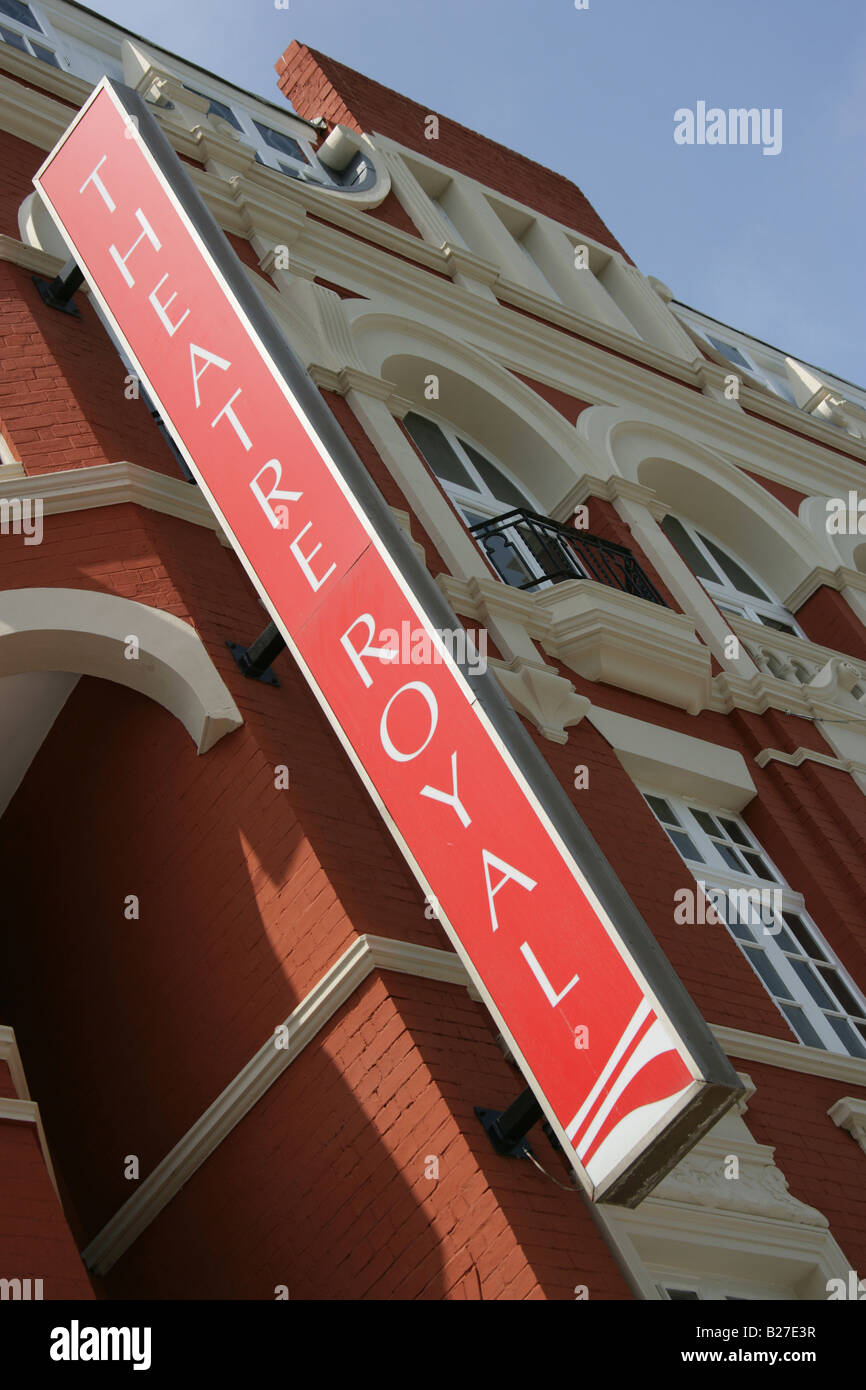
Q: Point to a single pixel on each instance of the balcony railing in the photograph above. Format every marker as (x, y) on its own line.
(528, 550)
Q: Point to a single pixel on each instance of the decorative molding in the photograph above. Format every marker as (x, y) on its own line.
(611, 489)
(761, 1188)
(31, 258)
(108, 485)
(21, 1107)
(843, 577)
(602, 633)
(790, 1055)
(677, 763)
(85, 631)
(542, 695)
(803, 755)
(610, 636)
(366, 954)
(849, 1113)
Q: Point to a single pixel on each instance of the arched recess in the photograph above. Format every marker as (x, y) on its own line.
(700, 485)
(476, 395)
(87, 633)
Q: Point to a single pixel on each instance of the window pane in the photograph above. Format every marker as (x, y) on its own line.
(686, 847)
(15, 9)
(507, 560)
(45, 54)
(761, 868)
(778, 624)
(219, 108)
(9, 36)
(731, 858)
(842, 992)
(682, 1295)
(768, 974)
(813, 985)
(499, 485)
(735, 833)
(663, 810)
(737, 575)
(437, 451)
(804, 936)
(728, 350)
(277, 141)
(852, 1043)
(705, 822)
(677, 533)
(801, 1026)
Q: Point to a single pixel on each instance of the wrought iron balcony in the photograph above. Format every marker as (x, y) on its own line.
(528, 551)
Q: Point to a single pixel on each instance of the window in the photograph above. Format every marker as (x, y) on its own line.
(729, 582)
(770, 924)
(273, 148)
(218, 108)
(20, 28)
(716, 1290)
(481, 490)
(760, 364)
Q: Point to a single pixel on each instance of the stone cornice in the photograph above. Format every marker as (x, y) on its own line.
(108, 484)
(804, 755)
(790, 1055)
(31, 258)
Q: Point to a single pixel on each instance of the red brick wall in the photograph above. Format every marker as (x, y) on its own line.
(822, 1163)
(318, 86)
(322, 1188)
(62, 402)
(828, 619)
(35, 1241)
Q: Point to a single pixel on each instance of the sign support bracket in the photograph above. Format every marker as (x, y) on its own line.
(58, 292)
(255, 660)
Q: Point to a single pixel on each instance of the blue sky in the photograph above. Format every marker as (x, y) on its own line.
(770, 244)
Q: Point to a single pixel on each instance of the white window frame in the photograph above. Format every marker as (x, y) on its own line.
(46, 39)
(275, 159)
(712, 872)
(716, 1289)
(484, 504)
(724, 591)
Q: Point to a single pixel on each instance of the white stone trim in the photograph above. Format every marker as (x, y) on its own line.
(804, 755)
(84, 631)
(21, 1107)
(790, 1055)
(703, 1224)
(849, 1114)
(110, 484)
(677, 763)
(366, 954)
(601, 633)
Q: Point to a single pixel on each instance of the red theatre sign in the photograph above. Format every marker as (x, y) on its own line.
(621, 1062)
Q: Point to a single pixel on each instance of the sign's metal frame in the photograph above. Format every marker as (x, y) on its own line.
(719, 1084)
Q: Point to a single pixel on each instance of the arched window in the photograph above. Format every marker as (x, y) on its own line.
(731, 584)
(481, 491)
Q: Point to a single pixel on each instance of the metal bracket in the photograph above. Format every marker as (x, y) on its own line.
(58, 292)
(255, 660)
(506, 1129)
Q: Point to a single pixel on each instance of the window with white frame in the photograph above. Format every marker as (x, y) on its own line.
(757, 364)
(291, 154)
(22, 27)
(730, 582)
(678, 1290)
(482, 490)
(770, 924)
